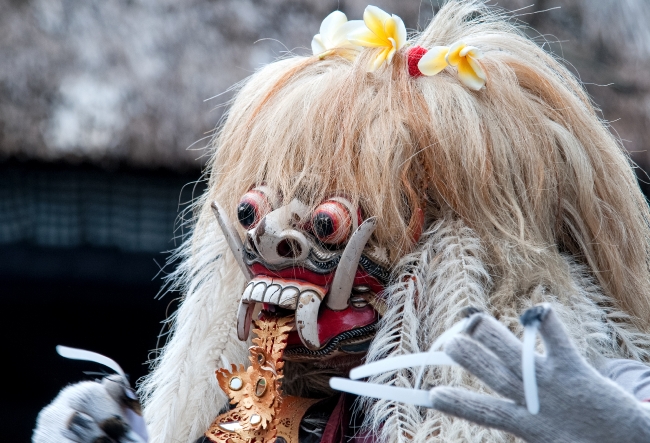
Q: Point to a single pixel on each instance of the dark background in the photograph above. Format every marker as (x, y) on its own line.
(82, 264)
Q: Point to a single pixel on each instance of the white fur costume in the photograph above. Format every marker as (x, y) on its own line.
(447, 267)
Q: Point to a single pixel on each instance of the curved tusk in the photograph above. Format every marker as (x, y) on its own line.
(244, 319)
(337, 299)
(232, 238)
(307, 319)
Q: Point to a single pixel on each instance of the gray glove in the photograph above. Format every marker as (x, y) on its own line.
(577, 404)
(92, 412)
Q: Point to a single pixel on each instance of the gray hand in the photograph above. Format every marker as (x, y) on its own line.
(92, 412)
(577, 404)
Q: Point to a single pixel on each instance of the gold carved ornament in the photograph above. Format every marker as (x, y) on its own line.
(261, 413)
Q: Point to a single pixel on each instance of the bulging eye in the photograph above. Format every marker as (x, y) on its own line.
(252, 207)
(332, 222)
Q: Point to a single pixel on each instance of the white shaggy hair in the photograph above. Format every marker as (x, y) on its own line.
(181, 396)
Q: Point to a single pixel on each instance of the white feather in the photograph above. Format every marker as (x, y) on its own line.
(438, 281)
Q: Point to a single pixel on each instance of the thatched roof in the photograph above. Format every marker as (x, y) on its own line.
(607, 43)
(126, 80)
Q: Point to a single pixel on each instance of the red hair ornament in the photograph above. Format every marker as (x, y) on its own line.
(414, 56)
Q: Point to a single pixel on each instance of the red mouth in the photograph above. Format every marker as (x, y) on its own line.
(334, 323)
(331, 324)
(361, 278)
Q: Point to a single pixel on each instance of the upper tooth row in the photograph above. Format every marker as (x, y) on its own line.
(260, 291)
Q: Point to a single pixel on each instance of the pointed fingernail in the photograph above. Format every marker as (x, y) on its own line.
(469, 311)
(536, 313)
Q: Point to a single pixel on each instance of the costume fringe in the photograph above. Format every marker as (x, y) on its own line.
(181, 396)
(436, 283)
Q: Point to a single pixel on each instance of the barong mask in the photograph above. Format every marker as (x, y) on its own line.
(314, 264)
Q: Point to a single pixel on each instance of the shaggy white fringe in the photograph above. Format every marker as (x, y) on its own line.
(181, 396)
(445, 275)
(436, 283)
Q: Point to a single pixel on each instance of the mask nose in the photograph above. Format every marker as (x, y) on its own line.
(277, 236)
(290, 248)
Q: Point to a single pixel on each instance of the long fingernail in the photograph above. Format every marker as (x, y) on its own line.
(472, 319)
(469, 311)
(536, 313)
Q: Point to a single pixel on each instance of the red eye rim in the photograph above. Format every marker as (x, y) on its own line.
(252, 207)
(334, 220)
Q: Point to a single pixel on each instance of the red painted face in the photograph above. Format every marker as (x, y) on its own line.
(314, 265)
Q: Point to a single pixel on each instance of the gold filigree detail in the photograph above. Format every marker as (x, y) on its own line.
(258, 400)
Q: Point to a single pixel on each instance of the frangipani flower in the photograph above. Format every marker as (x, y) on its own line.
(379, 30)
(464, 58)
(333, 34)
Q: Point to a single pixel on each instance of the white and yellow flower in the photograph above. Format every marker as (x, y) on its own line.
(379, 30)
(333, 34)
(464, 58)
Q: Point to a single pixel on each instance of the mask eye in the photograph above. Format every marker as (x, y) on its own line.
(332, 222)
(252, 207)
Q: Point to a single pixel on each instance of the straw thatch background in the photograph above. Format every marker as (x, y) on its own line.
(125, 81)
